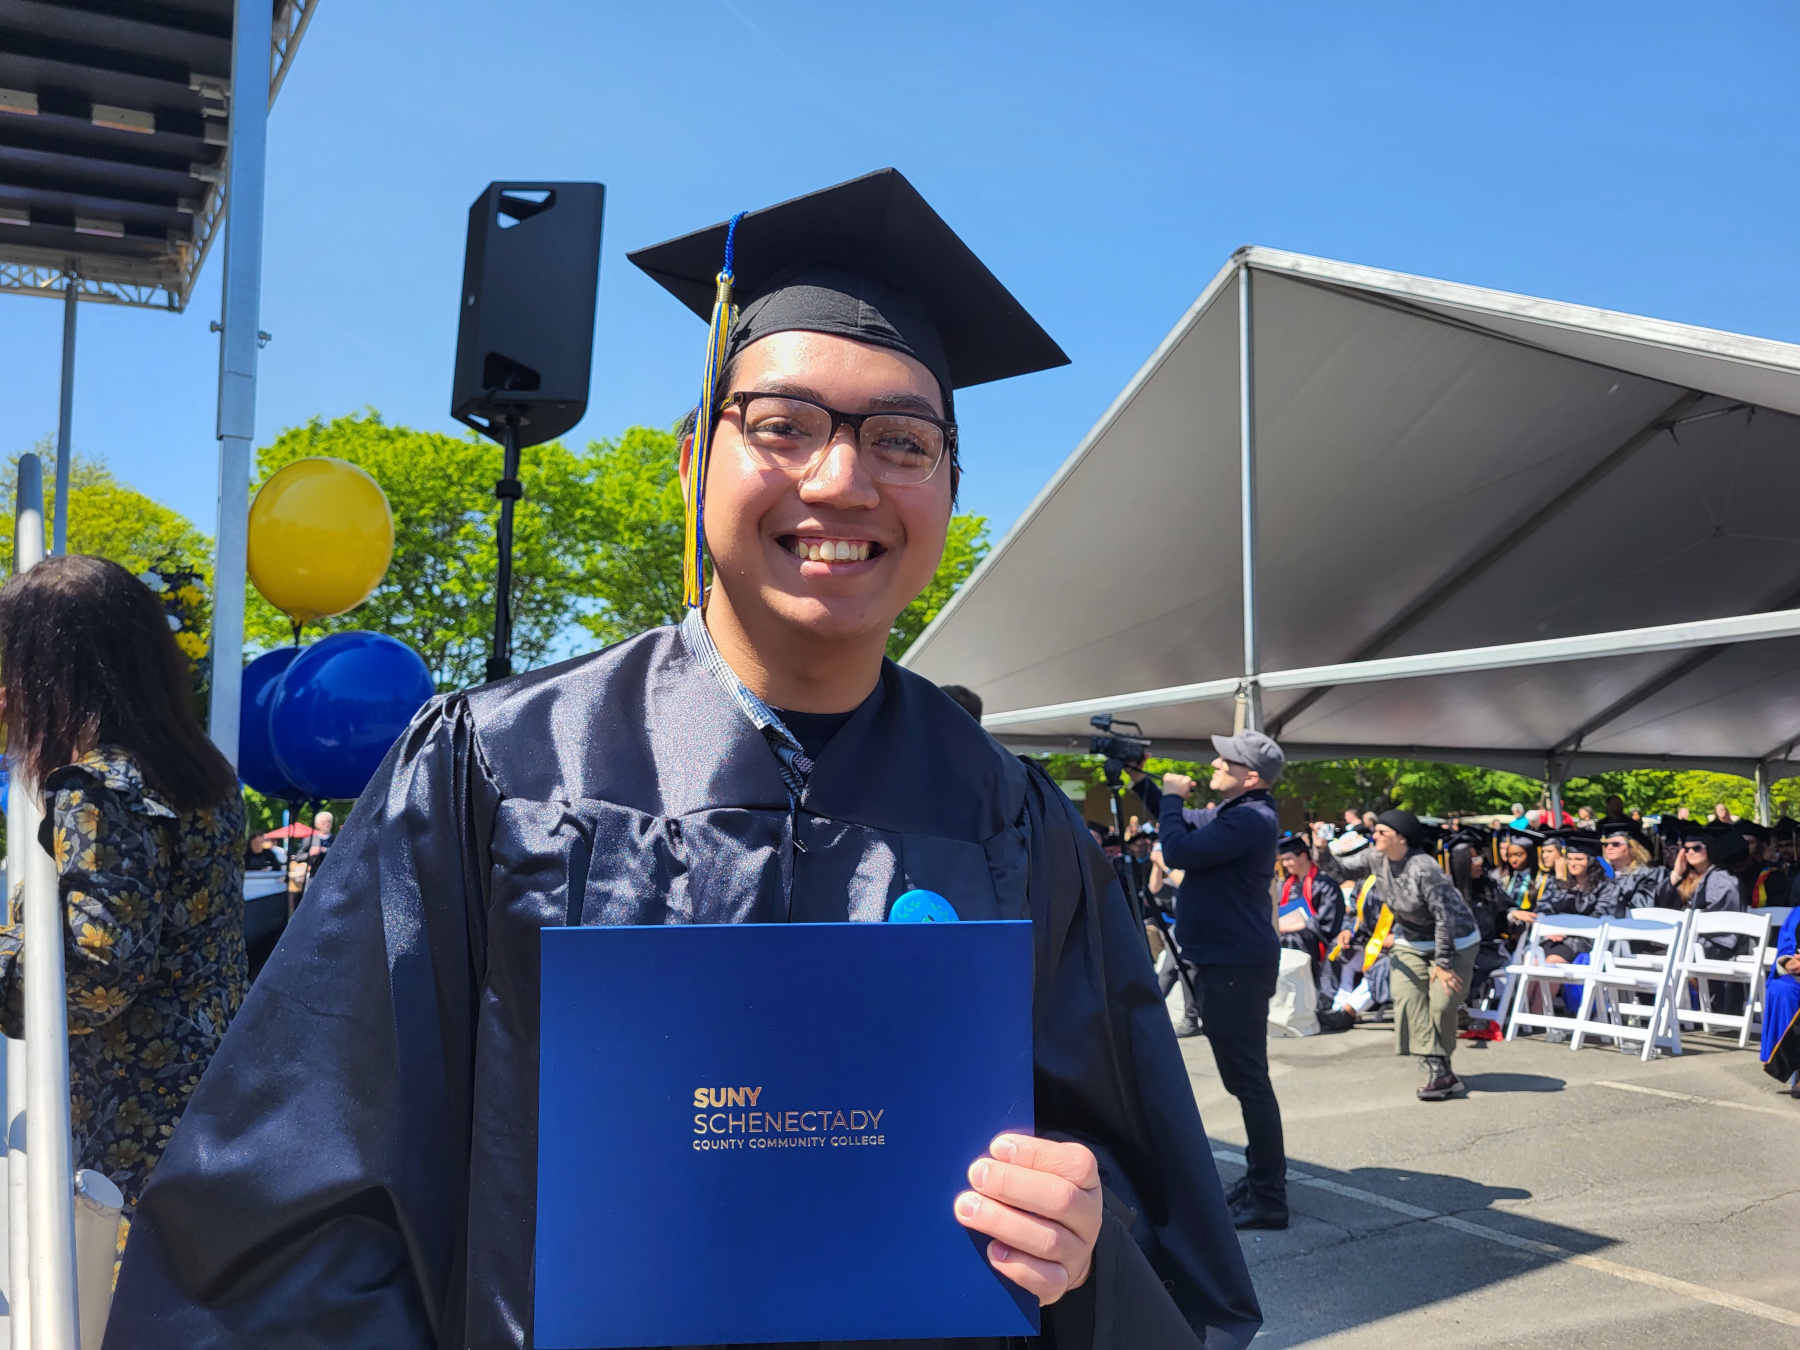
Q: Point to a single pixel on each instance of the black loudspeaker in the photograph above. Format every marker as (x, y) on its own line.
(530, 276)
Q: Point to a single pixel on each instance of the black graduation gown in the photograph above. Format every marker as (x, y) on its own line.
(358, 1167)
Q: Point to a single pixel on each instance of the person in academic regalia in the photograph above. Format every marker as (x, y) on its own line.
(1761, 880)
(1781, 1010)
(1487, 902)
(1518, 874)
(359, 1167)
(1354, 964)
(1634, 881)
(1309, 912)
(1703, 878)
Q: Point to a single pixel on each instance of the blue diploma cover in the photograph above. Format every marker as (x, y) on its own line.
(756, 1132)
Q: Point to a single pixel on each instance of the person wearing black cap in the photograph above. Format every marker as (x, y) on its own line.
(1487, 902)
(360, 1166)
(1222, 925)
(1634, 881)
(1577, 887)
(1702, 878)
(1762, 882)
(1519, 875)
(1434, 948)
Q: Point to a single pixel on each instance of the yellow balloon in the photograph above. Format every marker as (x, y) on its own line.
(321, 536)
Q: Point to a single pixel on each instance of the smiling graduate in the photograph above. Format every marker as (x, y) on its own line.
(359, 1166)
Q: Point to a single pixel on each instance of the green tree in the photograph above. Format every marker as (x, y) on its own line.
(110, 519)
(438, 595)
(634, 568)
(965, 545)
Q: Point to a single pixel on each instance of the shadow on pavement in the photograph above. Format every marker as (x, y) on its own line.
(1512, 1082)
(1346, 1260)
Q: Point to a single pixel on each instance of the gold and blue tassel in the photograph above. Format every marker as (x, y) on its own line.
(724, 318)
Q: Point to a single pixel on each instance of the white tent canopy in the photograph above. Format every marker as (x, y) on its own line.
(1428, 468)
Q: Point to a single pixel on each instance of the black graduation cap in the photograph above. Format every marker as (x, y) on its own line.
(1294, 842)
(1579, 841)
(1520, 834)
(868, 259)
(1786, 828)
(1473, 835)
(1755, 830)
(1724, 842)
(1629, 828)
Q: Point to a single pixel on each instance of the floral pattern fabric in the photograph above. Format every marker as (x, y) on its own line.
(154, 947)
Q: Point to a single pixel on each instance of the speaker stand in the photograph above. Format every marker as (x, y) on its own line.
(508, 491)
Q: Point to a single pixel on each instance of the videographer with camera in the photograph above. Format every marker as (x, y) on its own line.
(1225, 929)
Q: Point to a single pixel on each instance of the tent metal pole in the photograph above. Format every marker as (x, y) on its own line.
(1248, 715)
(65, 413)
(49, 1160)
(246, 156)
(1765, 804)
(1553, 783)
(1545, 651)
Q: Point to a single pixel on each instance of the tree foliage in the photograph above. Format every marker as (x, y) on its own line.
(634, 566)
(438, 595)
(965, 545)
(110, 519)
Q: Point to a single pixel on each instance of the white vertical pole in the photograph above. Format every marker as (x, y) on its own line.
(246, 153)
(65, 413)
(49, 1165)
(18, 1230)
(18, 1223)
(1249, 699)
(1765, 803)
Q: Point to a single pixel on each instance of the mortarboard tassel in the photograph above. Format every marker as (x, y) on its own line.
(724, 316)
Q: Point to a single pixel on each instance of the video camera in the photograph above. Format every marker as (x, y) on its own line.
(1117, 751)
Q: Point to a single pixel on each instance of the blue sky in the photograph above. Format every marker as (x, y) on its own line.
(1104, 160)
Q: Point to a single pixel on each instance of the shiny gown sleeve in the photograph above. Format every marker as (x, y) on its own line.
(311, 1194)
(1168, 1271)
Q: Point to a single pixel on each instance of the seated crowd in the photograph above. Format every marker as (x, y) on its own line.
(1327, 901)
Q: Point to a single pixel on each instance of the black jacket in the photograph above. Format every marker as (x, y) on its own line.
(359, 1166)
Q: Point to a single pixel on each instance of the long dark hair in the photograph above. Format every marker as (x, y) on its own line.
(87, 659)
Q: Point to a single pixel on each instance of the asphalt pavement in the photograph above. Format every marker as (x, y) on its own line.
(1572, 1199)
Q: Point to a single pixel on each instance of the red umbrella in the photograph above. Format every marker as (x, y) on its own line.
(294, 831)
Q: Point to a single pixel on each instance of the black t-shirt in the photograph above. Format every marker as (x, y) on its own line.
(813, 730)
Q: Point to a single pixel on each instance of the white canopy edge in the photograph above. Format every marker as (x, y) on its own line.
(1551, 319)
(1626, 642)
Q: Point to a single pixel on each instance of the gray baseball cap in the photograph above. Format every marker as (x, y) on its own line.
(1253, 750)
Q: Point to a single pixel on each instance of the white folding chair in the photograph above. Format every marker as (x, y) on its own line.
(1496, 1002)
(1778, 915)
(1630, 984)
(1745, 968)
(1533, 967)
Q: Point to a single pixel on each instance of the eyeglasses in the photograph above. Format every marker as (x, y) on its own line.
(1693, 846)
(793, 434)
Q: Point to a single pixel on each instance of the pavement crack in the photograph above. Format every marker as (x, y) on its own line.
(1754, 1204)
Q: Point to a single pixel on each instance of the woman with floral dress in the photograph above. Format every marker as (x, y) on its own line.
(145, 820)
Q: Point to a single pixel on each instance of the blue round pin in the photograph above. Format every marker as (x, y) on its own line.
(921, 907)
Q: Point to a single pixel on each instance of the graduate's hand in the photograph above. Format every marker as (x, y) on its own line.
(1040, 1202)
(1448, 978)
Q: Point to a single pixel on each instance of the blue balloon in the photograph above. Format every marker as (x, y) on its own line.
(341, 706)
(922, 907)
(256, 757)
